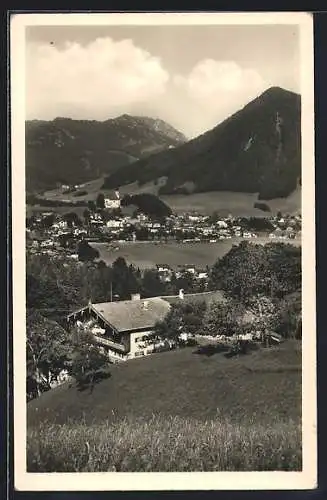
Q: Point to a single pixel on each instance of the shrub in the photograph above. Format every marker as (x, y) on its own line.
(86, 252)
(289, 323)
(90, 378)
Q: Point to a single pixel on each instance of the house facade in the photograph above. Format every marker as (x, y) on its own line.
(111, 204)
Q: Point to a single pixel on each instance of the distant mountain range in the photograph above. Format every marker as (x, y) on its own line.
(67, 151)
(258, 149)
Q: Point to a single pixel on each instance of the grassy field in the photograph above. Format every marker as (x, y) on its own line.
(177, 410)
(260, 386)
(147, 255)
(161, 444)
(35, 209)
(225, 202)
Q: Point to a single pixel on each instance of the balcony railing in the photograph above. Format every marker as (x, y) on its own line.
(110, 343)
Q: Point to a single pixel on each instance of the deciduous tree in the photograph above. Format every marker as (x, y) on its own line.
(182, 318)
(87, 358)
(48, 349)
(100, 201)
(152, 286)
(223, 318)
(248, 270)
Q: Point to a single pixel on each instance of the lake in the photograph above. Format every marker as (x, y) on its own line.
(147, 254)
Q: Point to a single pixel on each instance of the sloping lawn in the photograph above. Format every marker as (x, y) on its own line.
(260, 387)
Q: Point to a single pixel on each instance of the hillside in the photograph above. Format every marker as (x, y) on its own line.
(71, 151)
(225, 202)
(264, 385)
(256, 150)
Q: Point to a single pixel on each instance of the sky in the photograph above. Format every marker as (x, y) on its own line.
(193, 77)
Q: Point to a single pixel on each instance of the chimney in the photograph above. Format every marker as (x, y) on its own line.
(181, 294)
(135, 296)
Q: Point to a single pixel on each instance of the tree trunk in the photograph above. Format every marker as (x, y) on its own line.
(49, 375)
(38, 382)
(92, 381)
(37, 375)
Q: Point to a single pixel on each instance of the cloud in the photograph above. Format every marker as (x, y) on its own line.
(209, 78)
(90, 81)
(106, 78)
(217, 89)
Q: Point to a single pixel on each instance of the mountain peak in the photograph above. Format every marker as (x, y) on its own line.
(76, 151)
(248, 152)
(277, 92)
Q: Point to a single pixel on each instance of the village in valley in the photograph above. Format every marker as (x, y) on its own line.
(124, 329)
(104, 221)
(163, 242)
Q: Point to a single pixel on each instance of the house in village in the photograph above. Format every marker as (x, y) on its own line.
(201, 274)
(165, 272)
(126, 329)
(186, 268)
(115, 224)
(113, 203)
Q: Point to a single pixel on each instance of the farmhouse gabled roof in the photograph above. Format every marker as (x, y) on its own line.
(137, 314)
(207, 297)
(128, 315)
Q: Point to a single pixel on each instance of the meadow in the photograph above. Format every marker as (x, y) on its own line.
(176, 410)
(260, 385)
(225, 202)
(147, 254)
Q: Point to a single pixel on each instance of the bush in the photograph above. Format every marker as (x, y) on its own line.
(289, 322)
(91, 378)
(86, 252)
(211, 349)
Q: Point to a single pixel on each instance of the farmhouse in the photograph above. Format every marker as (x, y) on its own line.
(125, 329)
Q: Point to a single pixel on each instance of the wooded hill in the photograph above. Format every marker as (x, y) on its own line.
(67, 151)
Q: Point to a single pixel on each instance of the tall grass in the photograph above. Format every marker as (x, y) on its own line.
(165, 445)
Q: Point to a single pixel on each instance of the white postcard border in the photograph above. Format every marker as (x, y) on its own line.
(307, 479)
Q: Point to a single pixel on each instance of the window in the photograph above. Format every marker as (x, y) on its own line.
(143, 338)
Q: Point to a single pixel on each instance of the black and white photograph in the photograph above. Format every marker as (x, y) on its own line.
(163, 251)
